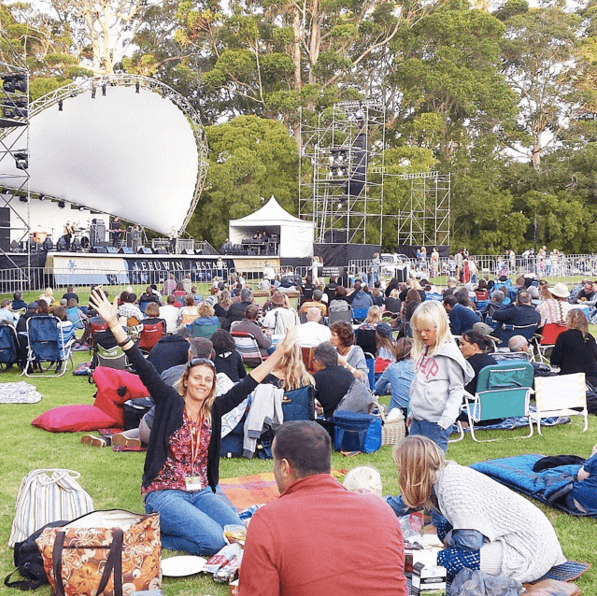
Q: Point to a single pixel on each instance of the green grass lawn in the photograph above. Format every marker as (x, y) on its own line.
(113, 479)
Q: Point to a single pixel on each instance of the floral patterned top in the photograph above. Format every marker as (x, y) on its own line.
(190, 442)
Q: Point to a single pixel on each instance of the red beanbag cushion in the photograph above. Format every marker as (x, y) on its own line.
(74, 419)
(114, 387)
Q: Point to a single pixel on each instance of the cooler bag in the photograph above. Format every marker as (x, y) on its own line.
(356, 432)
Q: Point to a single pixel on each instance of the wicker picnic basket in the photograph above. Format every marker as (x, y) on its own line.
(394, 431)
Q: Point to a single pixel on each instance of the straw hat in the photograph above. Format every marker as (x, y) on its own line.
(278, 299)
(560, 290)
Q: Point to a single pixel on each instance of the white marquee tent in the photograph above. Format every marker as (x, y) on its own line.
(296, 236)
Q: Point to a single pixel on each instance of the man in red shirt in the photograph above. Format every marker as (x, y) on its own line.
(318, 538)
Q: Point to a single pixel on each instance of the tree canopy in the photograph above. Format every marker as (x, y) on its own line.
(503, 98)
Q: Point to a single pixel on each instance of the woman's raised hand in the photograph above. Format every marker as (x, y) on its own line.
(102, 305)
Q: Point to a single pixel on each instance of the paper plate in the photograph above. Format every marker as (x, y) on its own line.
(182, 565)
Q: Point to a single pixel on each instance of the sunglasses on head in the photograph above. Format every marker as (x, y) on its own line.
(198, 361)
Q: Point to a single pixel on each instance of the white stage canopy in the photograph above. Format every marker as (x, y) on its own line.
(296, 235)
(133, 152)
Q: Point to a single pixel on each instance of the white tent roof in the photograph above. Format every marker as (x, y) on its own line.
(131, 154)
(296, 235)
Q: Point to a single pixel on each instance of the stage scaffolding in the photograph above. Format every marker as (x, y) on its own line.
(425, 218)
(337, 189)
(14, 103)
(342, 176)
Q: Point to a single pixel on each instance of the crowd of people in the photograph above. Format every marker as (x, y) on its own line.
(426, 348)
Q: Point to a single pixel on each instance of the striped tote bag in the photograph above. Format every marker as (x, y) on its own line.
(46, 496)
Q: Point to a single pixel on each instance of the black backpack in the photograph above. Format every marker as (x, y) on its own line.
(29, 562)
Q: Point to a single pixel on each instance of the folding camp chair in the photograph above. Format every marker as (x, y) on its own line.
(366, 340)
(307, 354)
(198, 330)
(9, 346)
(370, 361)
(47, 346)
(546, 341)
(106, 352)
(340, 315)
(248, 348)
(503, 391)
(151, 333)
(359, 314)
(563, 395)
(299, 404)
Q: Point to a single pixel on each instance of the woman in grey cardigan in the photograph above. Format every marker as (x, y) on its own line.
(487, 526)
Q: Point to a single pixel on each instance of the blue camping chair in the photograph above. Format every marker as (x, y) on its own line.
(359, 314)
(370, 361)
(48, 345)
(9, 346)
(503, 391)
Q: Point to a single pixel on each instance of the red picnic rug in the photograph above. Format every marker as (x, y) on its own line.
(244, 491)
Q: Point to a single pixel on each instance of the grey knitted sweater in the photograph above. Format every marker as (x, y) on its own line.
(472, 501)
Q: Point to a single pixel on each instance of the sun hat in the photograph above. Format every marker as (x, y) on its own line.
(278, 299)
(560, 290)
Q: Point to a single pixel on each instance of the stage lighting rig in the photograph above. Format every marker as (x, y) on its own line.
(21, 160)
(14, 83)
(15, 109)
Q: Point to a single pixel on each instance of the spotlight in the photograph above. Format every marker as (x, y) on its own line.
(81, 208)
(14, 82)
(42, 197)
(93, 92)
(137, 87)
(61, 204)
(21, 160)
(23, 199)
(60, 104)
(104, 89)
(15, 109)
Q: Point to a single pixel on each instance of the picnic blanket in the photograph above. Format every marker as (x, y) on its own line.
(515, 422)
(19, 393)
(244, 491)
(548, 486)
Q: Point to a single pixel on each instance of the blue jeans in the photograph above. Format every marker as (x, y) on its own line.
(432, 431)
(191, 521)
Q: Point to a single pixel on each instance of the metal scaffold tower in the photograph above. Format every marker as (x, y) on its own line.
(425, 218)
(14, 103)
(337, 188)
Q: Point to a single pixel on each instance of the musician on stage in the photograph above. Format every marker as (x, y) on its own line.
(67, 234)
(115, 231)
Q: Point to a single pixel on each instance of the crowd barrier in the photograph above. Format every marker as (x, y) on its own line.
(562, 268)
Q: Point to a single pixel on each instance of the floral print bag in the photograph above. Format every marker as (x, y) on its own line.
(113, 552)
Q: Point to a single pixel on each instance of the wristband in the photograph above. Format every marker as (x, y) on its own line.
(118, 325)
(124, 341)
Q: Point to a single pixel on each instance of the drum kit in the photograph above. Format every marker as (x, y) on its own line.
(80, 237)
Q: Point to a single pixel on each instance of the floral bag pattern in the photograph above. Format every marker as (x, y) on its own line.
(85, 559)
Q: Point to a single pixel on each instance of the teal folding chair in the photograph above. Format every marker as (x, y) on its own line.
(503, 391)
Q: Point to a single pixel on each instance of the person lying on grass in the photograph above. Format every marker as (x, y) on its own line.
(583, 496)
(182, 463)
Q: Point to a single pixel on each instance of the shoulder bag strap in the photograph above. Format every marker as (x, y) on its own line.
(23, 584)
(113, 562)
